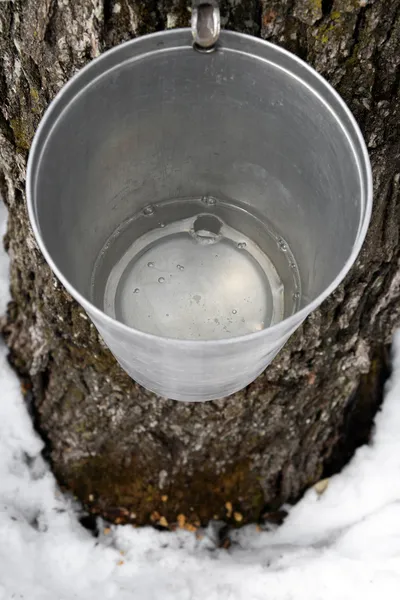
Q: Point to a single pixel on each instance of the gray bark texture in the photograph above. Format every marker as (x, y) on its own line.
(127, 454)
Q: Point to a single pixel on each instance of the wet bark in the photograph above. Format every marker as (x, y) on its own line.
(124, 452)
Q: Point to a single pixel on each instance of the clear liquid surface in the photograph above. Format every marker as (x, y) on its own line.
(196, 269)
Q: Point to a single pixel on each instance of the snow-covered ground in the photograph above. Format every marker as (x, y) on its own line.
(343, 543)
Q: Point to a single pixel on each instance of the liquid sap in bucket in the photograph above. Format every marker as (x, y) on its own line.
(197, 269)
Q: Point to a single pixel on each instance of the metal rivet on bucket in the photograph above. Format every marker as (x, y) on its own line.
(198, 207)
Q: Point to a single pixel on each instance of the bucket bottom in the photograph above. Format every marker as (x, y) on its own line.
(196, 269)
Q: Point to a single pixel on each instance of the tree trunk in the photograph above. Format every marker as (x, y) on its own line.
(124, 452)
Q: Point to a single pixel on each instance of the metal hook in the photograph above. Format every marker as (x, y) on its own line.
(206, 24)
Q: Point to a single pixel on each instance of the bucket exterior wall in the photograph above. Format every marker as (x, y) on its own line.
(153, 119)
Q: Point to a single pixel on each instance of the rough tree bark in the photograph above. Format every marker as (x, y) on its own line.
(120, 449)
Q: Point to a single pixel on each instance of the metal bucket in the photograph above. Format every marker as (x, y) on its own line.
(198, 205)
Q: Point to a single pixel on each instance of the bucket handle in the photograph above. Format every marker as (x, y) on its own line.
(206, 24)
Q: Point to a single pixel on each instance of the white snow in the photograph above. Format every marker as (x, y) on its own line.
(342, 544)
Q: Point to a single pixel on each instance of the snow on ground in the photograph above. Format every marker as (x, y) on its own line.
(342, 544)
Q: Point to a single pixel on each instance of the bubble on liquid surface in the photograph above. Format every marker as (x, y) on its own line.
(241, 245)
(148, 211)
(293, 265)
(296, 295)
(234, 312)
(162, 225)
(161, 280)
(209, 200)
(150, 265)
(282, 245)
(205, 238)
(136, 290)
(180, 267)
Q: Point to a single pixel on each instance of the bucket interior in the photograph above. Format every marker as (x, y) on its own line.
(197, 196)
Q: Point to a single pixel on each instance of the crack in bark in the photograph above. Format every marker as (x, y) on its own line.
(361, 16)
(326, 7)
(107, 15)
(50, 34)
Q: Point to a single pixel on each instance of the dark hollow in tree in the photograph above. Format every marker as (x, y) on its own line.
(124, 452)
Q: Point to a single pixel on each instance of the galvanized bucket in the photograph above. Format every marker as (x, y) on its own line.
(198, 202)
